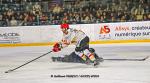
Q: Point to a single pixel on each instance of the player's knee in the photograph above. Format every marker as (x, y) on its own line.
(86, 52)
(78, 49)
(92, 50)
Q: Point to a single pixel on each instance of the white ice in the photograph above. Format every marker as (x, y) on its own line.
(41, 70)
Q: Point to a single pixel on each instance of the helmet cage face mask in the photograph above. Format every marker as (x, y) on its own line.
(64, 30)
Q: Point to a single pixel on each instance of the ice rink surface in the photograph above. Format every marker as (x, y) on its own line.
(44, 70)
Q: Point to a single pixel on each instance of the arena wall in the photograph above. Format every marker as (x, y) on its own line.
(102, 33)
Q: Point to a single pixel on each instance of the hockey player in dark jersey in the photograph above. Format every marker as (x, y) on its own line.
(81, 40)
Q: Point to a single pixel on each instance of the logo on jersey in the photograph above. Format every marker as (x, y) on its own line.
(104, 32)
(65, 42)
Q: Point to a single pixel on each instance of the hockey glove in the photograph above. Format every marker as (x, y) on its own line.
(57, 47)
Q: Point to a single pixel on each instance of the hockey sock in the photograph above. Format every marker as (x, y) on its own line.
(81, 54)
(90, 55)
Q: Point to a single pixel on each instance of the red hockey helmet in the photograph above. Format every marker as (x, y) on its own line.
(64, 26)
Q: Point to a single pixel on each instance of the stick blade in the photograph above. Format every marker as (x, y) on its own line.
(143, 59)
(8, 71)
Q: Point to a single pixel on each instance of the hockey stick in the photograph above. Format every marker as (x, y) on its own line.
(27, 62)
(143, 59)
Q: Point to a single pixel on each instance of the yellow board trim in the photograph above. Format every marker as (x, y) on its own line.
(92, 42)
(26, 44)
(119, 41)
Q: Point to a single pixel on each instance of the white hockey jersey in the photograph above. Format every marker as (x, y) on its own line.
(73, 37)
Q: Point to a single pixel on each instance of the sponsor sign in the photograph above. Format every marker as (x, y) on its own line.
(96, 32)
(8, 36)
(123, 31)
(104, 32)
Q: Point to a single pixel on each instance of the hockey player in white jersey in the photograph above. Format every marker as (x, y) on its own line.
(78, 38)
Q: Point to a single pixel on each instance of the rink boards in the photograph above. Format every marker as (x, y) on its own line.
(102, 33)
